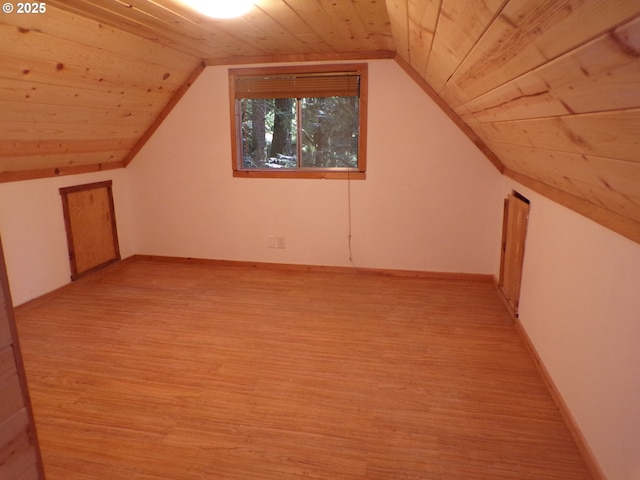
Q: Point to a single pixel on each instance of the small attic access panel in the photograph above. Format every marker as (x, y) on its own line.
(90, 221)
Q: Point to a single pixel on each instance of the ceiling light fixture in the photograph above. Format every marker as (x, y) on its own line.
(220, 8)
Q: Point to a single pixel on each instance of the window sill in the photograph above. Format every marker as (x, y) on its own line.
(308, 174)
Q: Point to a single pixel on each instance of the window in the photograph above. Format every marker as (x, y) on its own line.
(299, 122)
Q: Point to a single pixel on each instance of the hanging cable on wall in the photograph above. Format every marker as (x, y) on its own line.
(349, 217)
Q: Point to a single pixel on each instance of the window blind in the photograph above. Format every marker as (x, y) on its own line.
(307, 85)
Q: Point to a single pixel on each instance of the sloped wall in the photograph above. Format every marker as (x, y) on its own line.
(430, 202)
(580, 305)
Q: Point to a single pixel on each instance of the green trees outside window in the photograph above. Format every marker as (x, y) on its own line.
(303, 119)
(317, 132)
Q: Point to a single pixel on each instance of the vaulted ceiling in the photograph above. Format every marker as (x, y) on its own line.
(549, 90)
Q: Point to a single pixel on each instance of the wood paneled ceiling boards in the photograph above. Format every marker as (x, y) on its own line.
(548, 89)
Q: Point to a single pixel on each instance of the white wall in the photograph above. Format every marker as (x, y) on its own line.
(580, 304)
(431, 200)
(34, 236)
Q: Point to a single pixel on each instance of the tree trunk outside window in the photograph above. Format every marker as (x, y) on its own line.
(282, 127)
(258, 149)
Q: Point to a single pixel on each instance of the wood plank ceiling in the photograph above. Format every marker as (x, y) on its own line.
(548, 89)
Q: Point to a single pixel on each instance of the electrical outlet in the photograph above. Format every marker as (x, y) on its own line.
(272, 242)
(281, 242)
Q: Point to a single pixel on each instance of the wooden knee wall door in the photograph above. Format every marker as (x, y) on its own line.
(514, 232)
(19, 451)
(90, 220)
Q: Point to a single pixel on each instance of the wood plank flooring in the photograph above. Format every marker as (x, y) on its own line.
(168, 371)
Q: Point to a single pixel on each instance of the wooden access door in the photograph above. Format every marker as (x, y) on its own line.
(19, 452)
(514, 232)
(90, 220)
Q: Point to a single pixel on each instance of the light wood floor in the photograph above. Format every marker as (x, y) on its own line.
(165, 371)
